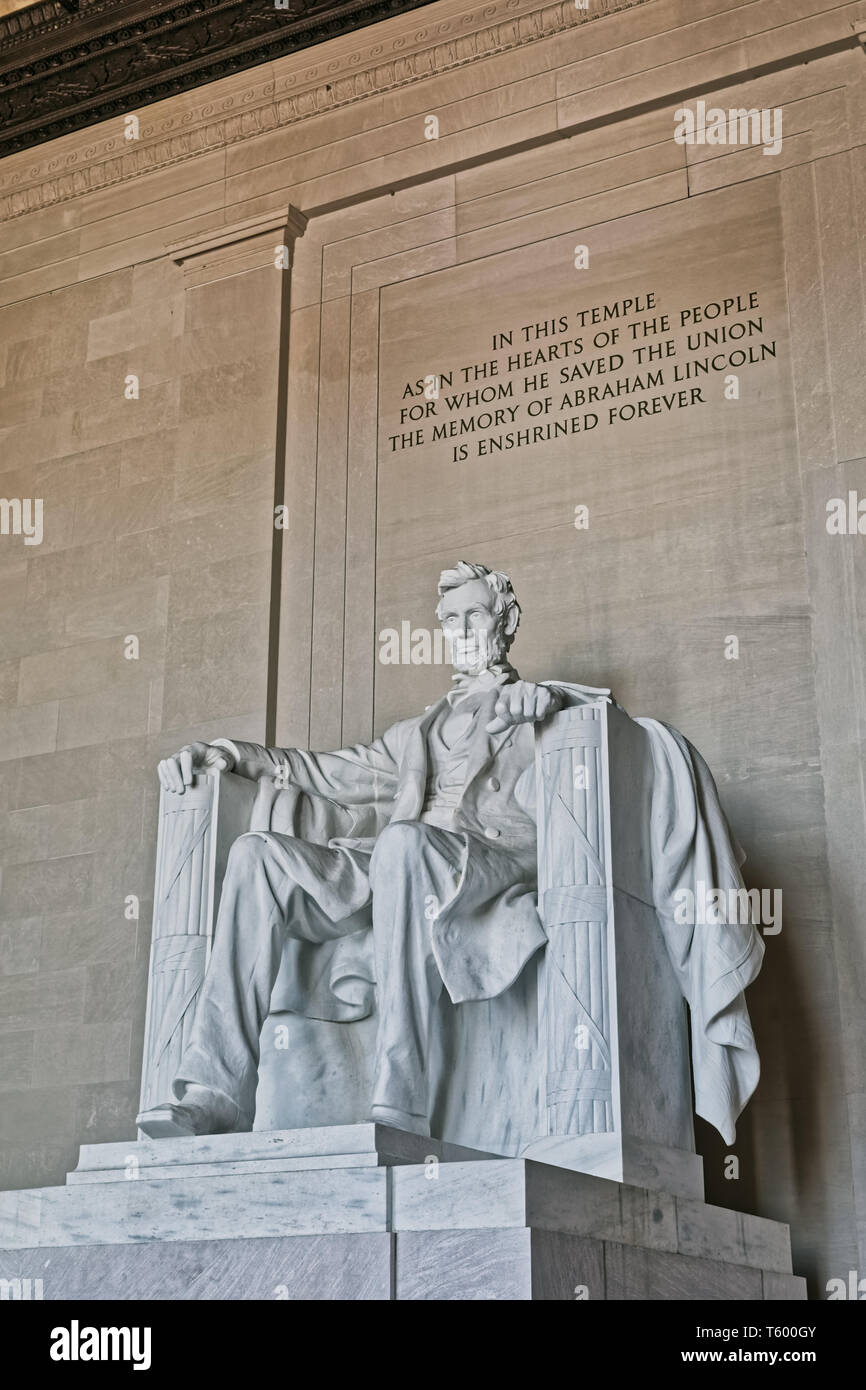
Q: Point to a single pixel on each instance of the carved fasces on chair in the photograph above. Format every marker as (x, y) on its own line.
(195, 832)
(613, 1047)
(574, 999)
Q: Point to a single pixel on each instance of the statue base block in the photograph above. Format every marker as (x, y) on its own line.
(367, 1212)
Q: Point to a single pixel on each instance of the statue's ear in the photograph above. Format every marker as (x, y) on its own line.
(510, 621)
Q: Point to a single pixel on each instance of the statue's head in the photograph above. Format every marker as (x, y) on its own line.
(479, 614)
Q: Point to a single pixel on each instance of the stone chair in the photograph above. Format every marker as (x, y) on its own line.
(583, 1062)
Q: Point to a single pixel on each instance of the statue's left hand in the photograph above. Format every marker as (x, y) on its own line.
(523, 702)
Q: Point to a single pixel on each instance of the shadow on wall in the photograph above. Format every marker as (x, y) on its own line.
(777, 1168)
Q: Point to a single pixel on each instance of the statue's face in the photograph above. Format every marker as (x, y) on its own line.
(472, 629)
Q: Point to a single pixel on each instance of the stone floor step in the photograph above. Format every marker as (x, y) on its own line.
(490, 1264)
(286, 1150)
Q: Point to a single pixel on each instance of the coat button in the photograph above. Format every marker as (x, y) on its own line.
(493, 784)
(491, 832)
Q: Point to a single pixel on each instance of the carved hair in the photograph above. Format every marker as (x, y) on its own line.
(504, 598)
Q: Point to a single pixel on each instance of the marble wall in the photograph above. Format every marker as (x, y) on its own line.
(156, 258)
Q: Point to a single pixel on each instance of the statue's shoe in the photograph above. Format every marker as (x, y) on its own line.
(200, 1112)
(400, 1119)
(167, 1122)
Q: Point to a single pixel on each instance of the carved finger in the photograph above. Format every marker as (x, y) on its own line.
(542, 704)
(169, 774)
(186, 767)
(502, 717)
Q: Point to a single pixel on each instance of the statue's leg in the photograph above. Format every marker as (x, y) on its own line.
(274, 886)
(414, 872)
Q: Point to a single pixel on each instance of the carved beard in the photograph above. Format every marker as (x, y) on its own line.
(479, 651)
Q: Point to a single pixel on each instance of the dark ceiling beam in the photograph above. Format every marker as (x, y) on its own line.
(67, 64)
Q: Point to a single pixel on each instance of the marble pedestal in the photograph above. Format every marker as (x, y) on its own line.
(367, 1212)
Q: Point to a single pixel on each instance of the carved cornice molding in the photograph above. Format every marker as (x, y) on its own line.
(391, 58)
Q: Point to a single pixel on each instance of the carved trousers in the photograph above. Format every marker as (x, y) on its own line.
(277, 886)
